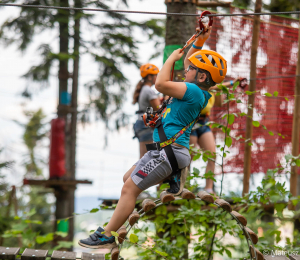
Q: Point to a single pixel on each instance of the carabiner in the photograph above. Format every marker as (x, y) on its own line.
(201, 25)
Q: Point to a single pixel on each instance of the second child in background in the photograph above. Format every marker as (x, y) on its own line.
(145, 96)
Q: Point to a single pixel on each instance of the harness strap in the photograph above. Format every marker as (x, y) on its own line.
(165, 143)
(168, 149)
(140, 112)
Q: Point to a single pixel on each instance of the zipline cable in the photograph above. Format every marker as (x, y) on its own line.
(141, 12)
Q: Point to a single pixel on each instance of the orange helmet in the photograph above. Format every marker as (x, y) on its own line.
(147, 69)
(212, 62)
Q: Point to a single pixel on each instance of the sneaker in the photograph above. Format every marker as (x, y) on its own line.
(98, 240)
(177, 181)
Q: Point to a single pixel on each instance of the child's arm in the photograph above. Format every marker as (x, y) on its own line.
(199, 43)
(163, 83)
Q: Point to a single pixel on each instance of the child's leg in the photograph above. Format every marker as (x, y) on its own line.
(194, 142)
(143, 148)
(128, 173)
(207, 143)
(125, 206)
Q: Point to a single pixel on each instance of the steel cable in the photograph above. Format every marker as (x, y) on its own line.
(141, 12)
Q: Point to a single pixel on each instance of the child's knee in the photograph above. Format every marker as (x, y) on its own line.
(125, 190)
(125, 177)
(128, 174)
(130, 188)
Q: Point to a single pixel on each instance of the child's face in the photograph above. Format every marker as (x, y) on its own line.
(190, 73)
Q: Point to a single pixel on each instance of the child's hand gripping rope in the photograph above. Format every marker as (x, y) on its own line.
(201, 35)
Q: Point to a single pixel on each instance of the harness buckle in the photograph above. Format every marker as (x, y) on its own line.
(158, 148)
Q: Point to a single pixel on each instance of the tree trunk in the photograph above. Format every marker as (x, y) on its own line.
(73, 130)
(61, 193)
(63, 73)
(180, 28)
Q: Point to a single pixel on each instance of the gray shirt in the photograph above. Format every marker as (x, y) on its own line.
(147, 94)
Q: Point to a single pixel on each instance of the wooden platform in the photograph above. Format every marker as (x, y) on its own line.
(37, 254)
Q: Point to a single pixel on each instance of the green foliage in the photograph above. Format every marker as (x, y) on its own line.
(174, 227)
(29, 224)
(228, 141)
(27, 231)
(243, 4)
(115, 234)
(133, 238)
(31, 227)
(94, 210)
(283, 6)
(255, 123)
(5, 192)
(34, 133)
(41, 73)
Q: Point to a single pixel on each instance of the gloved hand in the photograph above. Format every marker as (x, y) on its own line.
(199, 42)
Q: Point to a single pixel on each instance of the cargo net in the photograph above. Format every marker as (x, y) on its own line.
(276, 57)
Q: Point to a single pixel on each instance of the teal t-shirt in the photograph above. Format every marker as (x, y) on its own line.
(181, 112)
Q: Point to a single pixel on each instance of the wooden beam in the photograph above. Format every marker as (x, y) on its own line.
(252, 87)
(9, 253)
(34, 254)
(59, 255)
(55, 182)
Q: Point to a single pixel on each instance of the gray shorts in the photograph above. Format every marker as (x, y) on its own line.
(142, 132)
(154, 166)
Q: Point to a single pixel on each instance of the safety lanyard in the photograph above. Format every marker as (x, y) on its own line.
(181, 132)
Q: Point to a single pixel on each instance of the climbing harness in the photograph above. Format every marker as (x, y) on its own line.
(153, 119)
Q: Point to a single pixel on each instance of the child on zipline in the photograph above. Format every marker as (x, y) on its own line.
(203, 69)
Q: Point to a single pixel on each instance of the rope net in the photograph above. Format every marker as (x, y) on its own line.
(277, 55)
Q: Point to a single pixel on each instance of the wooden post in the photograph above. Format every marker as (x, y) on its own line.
(62, 201)
(74, 104)
(296, 127)
(252, 87)
(295, 181)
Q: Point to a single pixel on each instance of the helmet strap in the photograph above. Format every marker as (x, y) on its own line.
(196, 80)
